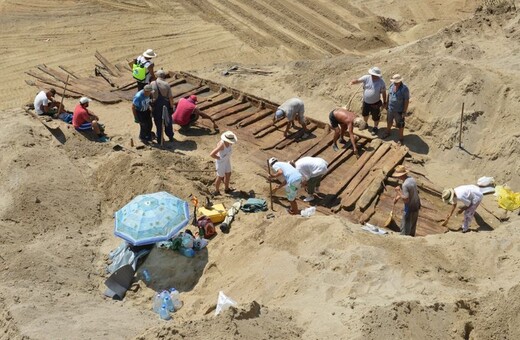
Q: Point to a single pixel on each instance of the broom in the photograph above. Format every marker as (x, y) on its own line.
(390, 218)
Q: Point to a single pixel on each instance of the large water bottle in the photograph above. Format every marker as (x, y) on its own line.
(176, 298)
(146, 276)
(188, 252)
(168, 303)
(164, 314)
(157, 303)
(308, 212)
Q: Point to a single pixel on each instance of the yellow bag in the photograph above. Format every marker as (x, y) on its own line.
(507, 199)
(216, 214)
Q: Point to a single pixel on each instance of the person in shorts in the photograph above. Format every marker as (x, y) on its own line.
(222, 156)
(342, 120)
(44, 103)
(293, 180)
(398, 98)
(470, 197)
(85, 120)
(293, 109)
(374, 95)
(312, 170)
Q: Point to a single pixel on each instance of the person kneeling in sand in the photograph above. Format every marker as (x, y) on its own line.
(44, 104)
(292, 109)
(222, 155)
(293, 180)
(187, 113)
(85, 120)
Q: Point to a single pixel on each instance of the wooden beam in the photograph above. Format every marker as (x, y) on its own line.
(256, 117)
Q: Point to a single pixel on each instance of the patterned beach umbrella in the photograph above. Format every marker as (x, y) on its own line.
(151, 218)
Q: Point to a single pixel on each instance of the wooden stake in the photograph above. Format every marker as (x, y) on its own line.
(270, 185)
(63, 94)
(460, 132)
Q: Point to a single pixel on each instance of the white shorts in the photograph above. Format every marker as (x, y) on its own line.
(223, 167)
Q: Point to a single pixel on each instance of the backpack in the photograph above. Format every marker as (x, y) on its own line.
(206, 227)
(254, 205)
(139, 71)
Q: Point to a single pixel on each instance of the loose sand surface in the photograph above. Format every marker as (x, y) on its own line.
(315, 278)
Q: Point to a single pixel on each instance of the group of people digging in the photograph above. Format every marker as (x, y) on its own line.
(154, 104)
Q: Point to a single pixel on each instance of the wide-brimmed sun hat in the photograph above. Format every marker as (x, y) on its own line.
(375, 71)
(447, 195)
(272, 160)
(396, 78)
(399, 171)
(229, 137)
(149, 53)
(84, 100)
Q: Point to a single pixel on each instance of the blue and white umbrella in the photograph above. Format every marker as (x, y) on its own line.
(151, 218)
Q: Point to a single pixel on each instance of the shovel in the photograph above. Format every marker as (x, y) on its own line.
(390, 218)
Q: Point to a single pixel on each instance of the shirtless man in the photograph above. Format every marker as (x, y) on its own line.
(341, 120)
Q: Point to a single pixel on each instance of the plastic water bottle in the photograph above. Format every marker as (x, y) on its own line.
(308, 212)
(164, 314)
(146, 276)
(188, 252)
(157, 303)
(168, 303)
(176, 298)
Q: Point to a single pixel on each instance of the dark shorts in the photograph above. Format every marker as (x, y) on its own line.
(333, 121)
(372, 109)
(398, 117)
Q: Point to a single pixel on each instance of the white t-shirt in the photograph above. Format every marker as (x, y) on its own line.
(372, 89)
(468, 194)
(40, 101)
(311, 167)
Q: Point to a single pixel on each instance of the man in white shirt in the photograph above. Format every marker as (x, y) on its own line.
(142, 68)
(470, 196)
(44, 103)
(374, 95)
(312, 170)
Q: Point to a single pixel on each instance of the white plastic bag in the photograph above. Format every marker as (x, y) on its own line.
(485, 181)
(224, 303)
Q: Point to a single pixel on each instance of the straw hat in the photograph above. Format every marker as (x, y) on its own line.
(399, 171)
(448, 195)
(149, 53)
(396, 78)
(272, 160)
(375, 71)
(229, 137)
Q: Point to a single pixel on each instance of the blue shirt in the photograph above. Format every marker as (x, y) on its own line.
(396, 99)
(141, 102)
(289, 172)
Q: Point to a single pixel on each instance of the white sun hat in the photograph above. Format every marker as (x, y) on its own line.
(396, 78)
(375, 71)
(149, 53)
(229, 137)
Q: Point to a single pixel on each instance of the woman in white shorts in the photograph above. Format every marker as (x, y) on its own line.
(222, 155)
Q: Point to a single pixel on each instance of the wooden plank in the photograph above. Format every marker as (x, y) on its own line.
(293, 137)
(238, 118)
(256, 117)
(221, 98)
(68, 71)
(373, 189)
(219, 108)
(231, 111)
(187, 91)
(269, 128)
(111, 69)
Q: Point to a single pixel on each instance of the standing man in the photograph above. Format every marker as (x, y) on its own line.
(470, 196)
(85, 120)
(292, 108)
(374, 95)
(293, 180)
(398, 98)
(162, 96)
(142, 68)
(409, 193)
(312, 170)
(187, 113)
(342, 120)
(44, 103)
(142, 112)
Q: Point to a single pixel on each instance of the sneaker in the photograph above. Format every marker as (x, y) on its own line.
(309, 198)
(335, 147)
(103, 139)
(465, 231)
